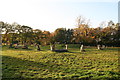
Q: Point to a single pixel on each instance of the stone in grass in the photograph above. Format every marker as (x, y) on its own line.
(82, 48)
(66, 47)
(99, 47)
(52, 47)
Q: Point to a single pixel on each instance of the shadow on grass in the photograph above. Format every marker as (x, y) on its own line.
(15, 68)
(113, 49)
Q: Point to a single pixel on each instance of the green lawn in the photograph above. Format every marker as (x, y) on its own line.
(90, 65)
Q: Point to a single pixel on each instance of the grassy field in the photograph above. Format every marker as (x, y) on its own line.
(90, 65)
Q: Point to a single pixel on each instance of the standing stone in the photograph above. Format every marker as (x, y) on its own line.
(103, 46)
(66, 46)
(98, 46)
(82, 48)
(52, 47)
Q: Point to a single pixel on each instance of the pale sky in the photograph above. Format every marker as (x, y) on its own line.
(52, 14)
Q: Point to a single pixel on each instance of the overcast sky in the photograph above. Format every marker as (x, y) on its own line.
(52, 14)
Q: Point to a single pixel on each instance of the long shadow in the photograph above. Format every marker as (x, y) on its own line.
(14, 68)
(113, 49)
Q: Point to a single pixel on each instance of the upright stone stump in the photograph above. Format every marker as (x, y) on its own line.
(66, 46)
(99, 47)
(103, 46)
(52, 47)
(82, 48)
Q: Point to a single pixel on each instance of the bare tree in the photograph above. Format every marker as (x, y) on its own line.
(82, 30)
(102, 24)
(80, 20)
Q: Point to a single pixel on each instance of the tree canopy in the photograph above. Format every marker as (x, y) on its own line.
(82, 34)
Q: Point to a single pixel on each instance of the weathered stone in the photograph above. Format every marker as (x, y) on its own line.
(52, 47)
(66, 46)
(99, 47)
(82, 48)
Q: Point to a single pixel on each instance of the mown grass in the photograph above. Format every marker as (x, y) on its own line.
(90, 65)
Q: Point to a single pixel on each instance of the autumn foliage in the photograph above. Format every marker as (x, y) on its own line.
(82, 34)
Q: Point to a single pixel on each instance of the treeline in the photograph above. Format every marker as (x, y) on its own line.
(82, 34)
